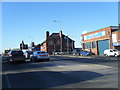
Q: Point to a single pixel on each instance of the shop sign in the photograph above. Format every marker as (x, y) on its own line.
(116, 44)
(94, 35)
(114, 38)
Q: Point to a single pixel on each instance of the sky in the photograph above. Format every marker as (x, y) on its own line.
(29, 21)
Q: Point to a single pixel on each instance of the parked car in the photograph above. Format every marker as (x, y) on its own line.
(86, 53)
(56, 53)
(39, 55)
(15, 55)
(76, 51)
(111, 52)
(59, 53)
(27, 54)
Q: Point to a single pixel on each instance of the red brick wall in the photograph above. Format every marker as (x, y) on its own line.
(43, 47)
(117, 36)
(48, 47)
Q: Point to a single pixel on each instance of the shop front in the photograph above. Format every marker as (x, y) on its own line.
(102, 39)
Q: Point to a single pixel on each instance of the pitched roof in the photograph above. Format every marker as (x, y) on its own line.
(56, 35)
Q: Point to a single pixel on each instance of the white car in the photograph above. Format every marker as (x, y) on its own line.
(111, 52)
(39, 55)
(27, 54)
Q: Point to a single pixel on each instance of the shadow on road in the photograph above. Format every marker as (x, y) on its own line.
(25, 65)
(48, 79)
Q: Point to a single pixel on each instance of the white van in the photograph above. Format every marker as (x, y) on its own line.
(111, 52)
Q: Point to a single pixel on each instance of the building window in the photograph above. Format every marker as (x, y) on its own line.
(43, 47)
(93, 44)
(87, 45)
(51, 43)
(58, 42)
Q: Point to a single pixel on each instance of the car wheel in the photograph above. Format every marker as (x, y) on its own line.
(31, 59)
(115, 55)
(9, 61)
(48, 59)
(24, 61)
(106, 55)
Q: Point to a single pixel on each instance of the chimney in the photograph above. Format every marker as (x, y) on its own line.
(33, 44)
(47, 34)
(60, 33)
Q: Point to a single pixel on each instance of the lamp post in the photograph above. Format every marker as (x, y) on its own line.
(59, 23)
(60, 35)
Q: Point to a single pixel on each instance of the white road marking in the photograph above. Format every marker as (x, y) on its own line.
(8, 82)
(60, 66)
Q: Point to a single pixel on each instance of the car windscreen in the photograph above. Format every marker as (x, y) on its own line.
(17, 53)
(29, 52)
(84, 51)
(115, 50)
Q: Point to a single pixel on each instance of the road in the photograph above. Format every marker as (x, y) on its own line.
(61, 72)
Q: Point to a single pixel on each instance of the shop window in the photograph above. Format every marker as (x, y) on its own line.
(94, 44)
(87, 45)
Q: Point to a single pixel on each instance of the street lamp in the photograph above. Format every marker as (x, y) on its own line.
(59, 23)
(60, 30)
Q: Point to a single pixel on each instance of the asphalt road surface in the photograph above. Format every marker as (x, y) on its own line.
(61, 72)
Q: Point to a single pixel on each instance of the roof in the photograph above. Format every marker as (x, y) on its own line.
(56, 35)
(111, 27)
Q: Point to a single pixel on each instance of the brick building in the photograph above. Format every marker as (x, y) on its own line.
(99, 40)
(37, 47)
(57, 42)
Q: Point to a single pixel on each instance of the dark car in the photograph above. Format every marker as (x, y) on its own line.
(76, 51)
(16, 56)
(86, 53)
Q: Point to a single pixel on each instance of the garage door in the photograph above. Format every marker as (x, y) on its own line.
(102, 45)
